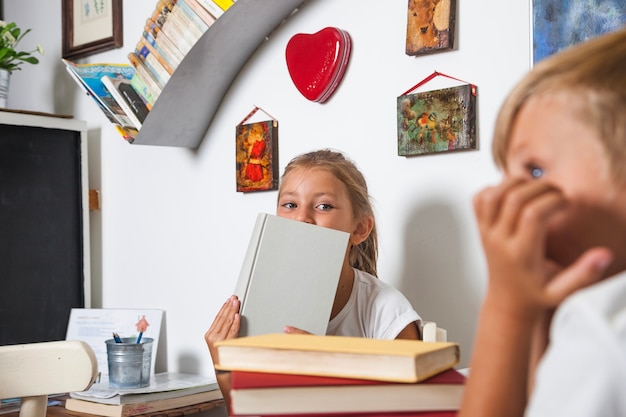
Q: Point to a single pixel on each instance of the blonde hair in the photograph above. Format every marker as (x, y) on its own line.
(593, 74)
(363, 256)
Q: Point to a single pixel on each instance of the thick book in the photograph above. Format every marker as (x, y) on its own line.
(212, 7)
(289, 276)
(128, 99)
(258, 393)
(141, 408)
(89, 78)
(202, 13)
(164, 385)
(338, 356)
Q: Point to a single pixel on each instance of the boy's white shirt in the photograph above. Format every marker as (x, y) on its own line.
(583, 372)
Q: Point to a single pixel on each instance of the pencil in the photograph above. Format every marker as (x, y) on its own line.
(139, 337)
(117, 338)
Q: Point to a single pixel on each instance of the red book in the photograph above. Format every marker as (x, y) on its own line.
(269, 394)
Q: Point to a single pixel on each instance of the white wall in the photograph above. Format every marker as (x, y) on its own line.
(172, 230)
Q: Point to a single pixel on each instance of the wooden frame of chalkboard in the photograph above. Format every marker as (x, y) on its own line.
(44, 225)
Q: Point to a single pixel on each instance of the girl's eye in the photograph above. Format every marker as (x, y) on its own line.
(324, 206)
(289, 205)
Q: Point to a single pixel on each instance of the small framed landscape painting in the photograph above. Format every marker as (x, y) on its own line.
(257, 156)
(437, 121)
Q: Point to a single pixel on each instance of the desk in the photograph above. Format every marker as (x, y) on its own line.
(60, 411)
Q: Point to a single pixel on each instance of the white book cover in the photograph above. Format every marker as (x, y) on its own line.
(289, 276)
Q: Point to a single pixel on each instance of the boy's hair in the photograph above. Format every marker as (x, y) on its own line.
(365, 255)
(594, 71)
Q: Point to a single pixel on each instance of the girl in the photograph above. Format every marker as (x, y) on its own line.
(554, 232)
(326, 189)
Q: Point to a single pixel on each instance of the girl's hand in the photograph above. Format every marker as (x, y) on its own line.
(513, 220)
(294, 330)
(225, 326)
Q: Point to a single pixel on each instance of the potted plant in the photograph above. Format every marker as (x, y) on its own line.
(10, 58)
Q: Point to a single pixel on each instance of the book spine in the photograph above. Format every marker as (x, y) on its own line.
(164, 41)
(201, 12)
(115, 93)
(167, 57)
(184, 27)
(224, 4)
(142, 89)
(192, 16)
(146, 48)
(211, 7)
(153, 65)
(145, 75)
(172, 30)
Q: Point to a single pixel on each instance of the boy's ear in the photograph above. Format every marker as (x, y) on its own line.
(362, 230)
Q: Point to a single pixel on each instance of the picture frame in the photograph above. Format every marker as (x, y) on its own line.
(257, 156)
(558, 24)
(91, 26)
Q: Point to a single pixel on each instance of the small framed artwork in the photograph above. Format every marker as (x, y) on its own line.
(257, 156)
(91, 26)
(430, 26)
(558, 24)
(437, 121)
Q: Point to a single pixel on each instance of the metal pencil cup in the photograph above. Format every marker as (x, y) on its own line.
(129, 362)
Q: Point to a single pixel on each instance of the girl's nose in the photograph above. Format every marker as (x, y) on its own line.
(305, 217)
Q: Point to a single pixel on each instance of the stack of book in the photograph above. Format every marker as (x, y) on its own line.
(127, 92)
(167, 391)
(310, 375)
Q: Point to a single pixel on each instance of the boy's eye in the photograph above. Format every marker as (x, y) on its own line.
(534, 171)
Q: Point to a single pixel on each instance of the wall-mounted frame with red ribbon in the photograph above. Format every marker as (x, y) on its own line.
(437, 121)
(257, 154)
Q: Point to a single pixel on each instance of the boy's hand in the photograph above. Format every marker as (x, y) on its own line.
(513, 222)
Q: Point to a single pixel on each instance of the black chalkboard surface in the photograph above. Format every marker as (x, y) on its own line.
(41, 232)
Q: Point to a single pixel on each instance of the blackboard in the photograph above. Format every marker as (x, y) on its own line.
(41, 232)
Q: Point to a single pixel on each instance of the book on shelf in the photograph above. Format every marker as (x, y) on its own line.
(294, 267)
(144, 92)
(163, 385)
(338, 356)
(202, 13)
(165, 44)
(174, 27)
(258, 393)
(141, 408)
(152, 86)
(144, 48)
(89, 78)
(224, 4)
(126, 96)
(169, 60)
(156, 69)
(212, 7)
(198, 25)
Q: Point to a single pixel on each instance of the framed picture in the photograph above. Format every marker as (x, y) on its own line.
(430, 26)
(91, 26)
(257, 156)
(437, 121)
(558, 24)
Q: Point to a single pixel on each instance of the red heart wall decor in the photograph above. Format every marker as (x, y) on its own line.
(317, 62)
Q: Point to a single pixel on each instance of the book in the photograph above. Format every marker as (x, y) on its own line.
(224, 4)
(165, 44)
(89, 78)
(123, 92)
(338, 356)
(140, 408)
(289, 276)
(152, 63)
(175, 29)
(144, 48)
(212, 7)
(144, 92)
(163, 386)
(257, 393)
(202, 13)
(196, 22)
(146, 77)
(170, 60)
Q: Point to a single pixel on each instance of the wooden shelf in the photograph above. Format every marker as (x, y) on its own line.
(185, 108)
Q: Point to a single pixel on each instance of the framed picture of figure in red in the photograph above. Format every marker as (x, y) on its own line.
(257, 156)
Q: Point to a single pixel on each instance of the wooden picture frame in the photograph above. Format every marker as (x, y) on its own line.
(91, 26)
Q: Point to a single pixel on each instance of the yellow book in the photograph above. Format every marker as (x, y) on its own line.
(224, 4)
(338, 356)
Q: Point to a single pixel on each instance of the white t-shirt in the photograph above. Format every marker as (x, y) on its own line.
(583, 372)
(374, 310)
